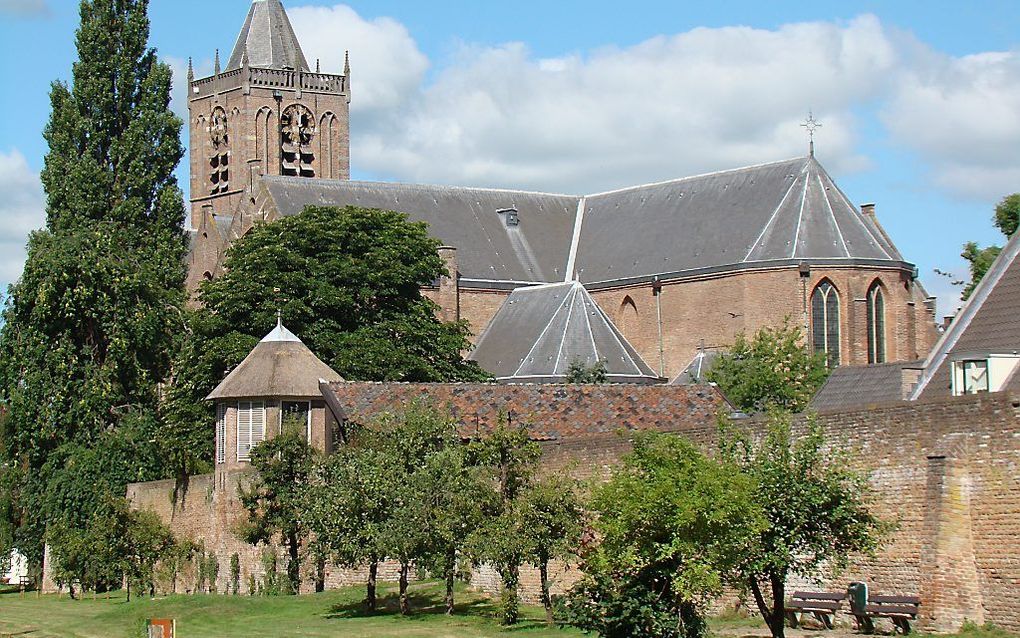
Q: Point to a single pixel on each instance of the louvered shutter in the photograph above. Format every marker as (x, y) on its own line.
(221, 433)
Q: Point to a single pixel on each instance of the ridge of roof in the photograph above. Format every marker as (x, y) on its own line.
(677, 180)
(289, 181)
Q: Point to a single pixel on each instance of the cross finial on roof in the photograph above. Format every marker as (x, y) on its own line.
(812, 125)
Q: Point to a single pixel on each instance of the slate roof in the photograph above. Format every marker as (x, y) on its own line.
(279, 366)
(488, 248)
(540, 330)
(989, 323)
(758, 216)
(854, 387)
(551, 412)
(269, 39)
(783, 211)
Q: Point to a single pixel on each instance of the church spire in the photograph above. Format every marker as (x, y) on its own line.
(268, 39)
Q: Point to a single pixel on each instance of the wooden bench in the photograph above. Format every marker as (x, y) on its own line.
(899, 609)
(822, 605)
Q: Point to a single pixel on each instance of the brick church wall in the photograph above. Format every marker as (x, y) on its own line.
(947, 472)
(711, 310)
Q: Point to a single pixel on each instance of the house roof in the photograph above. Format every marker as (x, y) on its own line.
(268, 39)
(551, 412)
(539, 331)
(852, 387)
(759, 216)
(989, 323)
(279, 366)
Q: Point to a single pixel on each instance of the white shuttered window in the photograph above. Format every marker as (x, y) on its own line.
(251, 427)
(221, 433)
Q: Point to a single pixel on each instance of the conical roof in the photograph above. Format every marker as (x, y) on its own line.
(540, 331)
(279, 366)
(268, 39)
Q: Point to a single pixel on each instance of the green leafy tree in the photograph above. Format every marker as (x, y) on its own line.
(274, 499)
(348, 502)
(417, 438)
(349, 281)
(510, 458)
(816, 510)
(1007, 220)
(552, 519)
(118, 544)
(87, 330)
(452, 495)
(671, 524)
(578, 372)
(772, 368)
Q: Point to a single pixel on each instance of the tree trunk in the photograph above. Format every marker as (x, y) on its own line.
(320, 574)
(778, 624)
(543, 570)
(127, 588)
(373, 571)
(405, 604)
(451, 569)
(511, 602)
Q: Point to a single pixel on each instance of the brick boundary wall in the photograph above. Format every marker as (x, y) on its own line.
(947, 472)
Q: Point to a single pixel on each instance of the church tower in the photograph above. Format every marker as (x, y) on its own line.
(265, 113)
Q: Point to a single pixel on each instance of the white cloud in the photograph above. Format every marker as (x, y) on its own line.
(24, 8)
(962, 115)
(22, 210)
(667, 107)
(387, 68)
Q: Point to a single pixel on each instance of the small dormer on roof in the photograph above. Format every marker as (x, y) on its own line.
(280, 366)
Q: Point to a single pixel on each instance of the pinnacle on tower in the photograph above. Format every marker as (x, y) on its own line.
(216, 64)
(191, 72)
(268, 39)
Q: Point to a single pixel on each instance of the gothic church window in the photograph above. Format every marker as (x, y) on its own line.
(297, 128)
(876, 324)
(825, 322)
(251, 427)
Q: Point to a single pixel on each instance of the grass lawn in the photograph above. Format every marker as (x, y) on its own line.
(333, 613)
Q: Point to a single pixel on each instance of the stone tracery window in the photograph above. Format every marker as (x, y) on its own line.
(825, 321)
(297, 128)
(876, 324)
(219, 157)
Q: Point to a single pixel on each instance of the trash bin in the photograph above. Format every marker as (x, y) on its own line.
(857, 593)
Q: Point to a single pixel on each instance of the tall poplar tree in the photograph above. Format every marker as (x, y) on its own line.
(89, 327)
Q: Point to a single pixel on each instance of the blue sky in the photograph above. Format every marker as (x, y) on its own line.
(919, 101)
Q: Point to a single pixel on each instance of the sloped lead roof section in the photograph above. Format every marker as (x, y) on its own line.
(488, 247)
(539, 331)
(269, 39)
(279, 366)
(779, 211)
